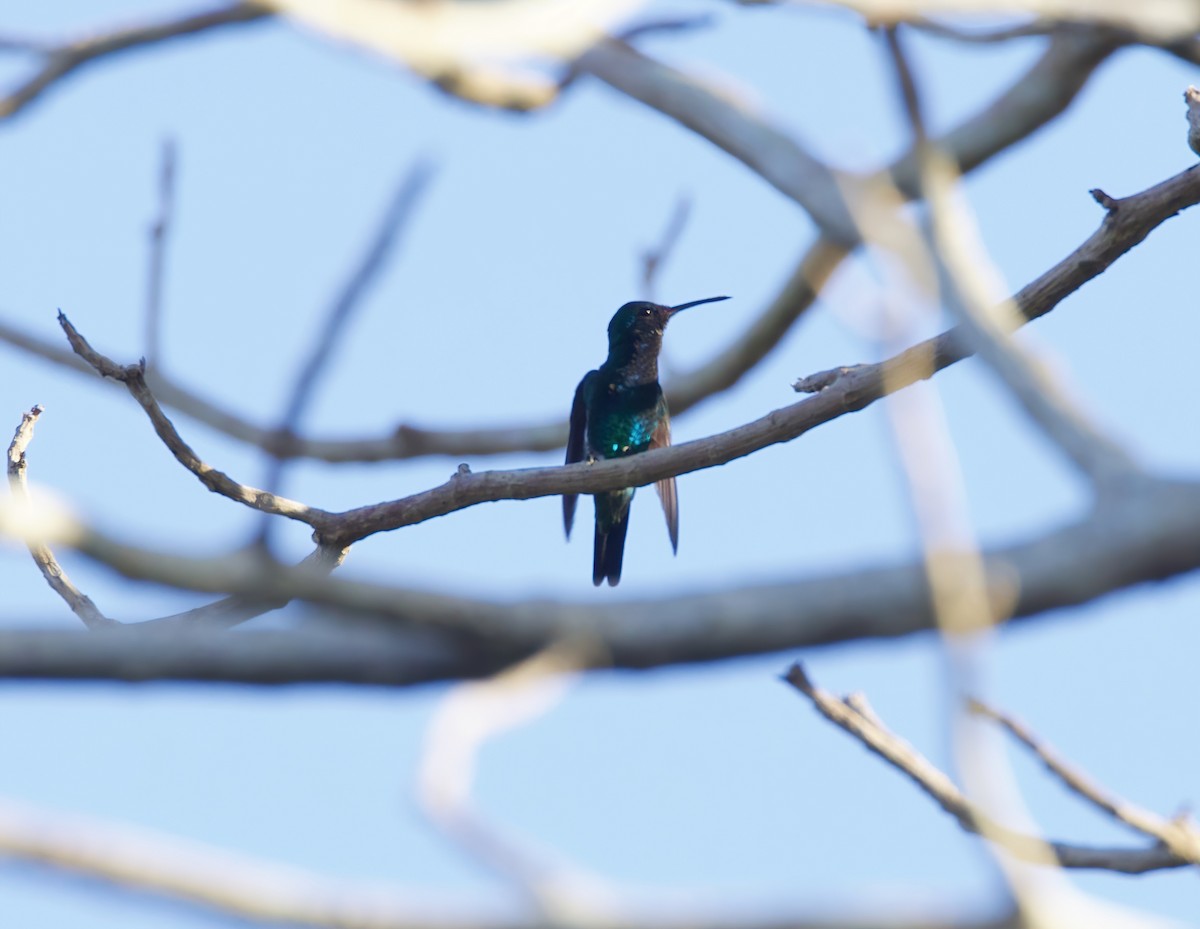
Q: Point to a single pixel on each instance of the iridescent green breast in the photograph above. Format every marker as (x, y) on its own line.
(623, 420)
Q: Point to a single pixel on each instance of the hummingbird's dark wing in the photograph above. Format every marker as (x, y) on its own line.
(666, 487)
(575, 447)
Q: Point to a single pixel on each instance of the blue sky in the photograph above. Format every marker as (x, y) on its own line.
(716, 779)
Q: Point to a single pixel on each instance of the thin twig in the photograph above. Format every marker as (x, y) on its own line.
(1178, 835)
(81, 604)
(222, 614)
(853, 716)
(365, 275)
(134, 378)
(654, 258)
(62, 60)
(159, 231)
(235, 610)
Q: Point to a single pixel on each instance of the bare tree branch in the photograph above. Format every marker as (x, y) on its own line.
(986, 36)
(69, 57)
(234, 884)
(776, 157)
(655, 257)
(854, 716)
(222, 614)
(962, 260)
(81, 604)
(1033, 100)
(1127, 223)
(133, 377)
(1156, 20)
(468, 718)
(1191, 97)
(235, 610)
(841, 391)
(370, 267)
(159, 230)
(1150, 534)
(1179, 836)
(1037, 97)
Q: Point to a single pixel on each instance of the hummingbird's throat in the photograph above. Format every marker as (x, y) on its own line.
(638, 363)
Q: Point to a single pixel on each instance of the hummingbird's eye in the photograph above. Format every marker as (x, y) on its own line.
(647, 311)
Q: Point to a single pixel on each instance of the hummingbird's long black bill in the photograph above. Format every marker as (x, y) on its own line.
(684, 306)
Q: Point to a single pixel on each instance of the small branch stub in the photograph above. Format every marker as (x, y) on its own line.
(1192, 97)
(1104, 200)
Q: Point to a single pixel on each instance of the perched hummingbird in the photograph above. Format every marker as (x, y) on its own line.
(620, 410)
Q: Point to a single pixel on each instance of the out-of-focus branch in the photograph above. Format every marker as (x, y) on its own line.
(159, 231)
(221, 880)
(472, 715)
(1156, 20)
(1037, 97)
(62, 60)
(733, 126)
(1150, 534)
(855, 716)
(222, 614)
(81, 604)
(233, 884)
(1034, 99)
(235, 610)
(964, 265)
(1191, 97)
(358, 285)
(1179, 836)
(655, 257)
(986, 36)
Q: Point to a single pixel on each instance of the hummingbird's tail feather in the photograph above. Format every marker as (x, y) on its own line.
(610, 551)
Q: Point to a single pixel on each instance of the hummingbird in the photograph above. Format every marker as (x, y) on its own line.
(620, 410)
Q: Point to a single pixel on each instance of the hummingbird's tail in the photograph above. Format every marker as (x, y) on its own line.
(610, 550)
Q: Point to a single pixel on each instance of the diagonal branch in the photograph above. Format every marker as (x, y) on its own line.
(221, 614)
(1179, 836)
(68, 58)
(961, 259)
(134, 378)
(80, 603)
(241, 886)
(364, 276)
(1128, 222)
(732, 126)
(854, 715)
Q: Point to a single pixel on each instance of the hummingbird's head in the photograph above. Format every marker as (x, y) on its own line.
(641, 323)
